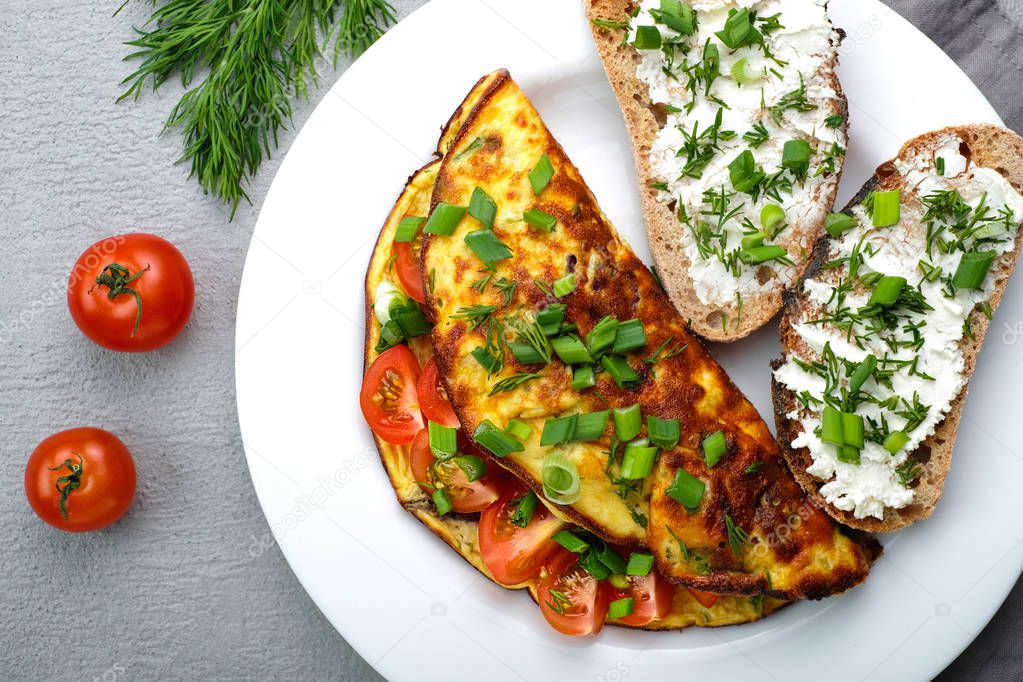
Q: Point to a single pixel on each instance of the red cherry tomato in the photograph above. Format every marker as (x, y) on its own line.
(706, 599)
(571, 600)
(433, 399)
(80, 479)
(406, 264)
(652, 597)
(512, 554)
(131, 293)
(388, 398)
(466, 497)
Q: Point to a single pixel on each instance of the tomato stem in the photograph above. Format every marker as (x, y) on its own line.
(71, 482)
(117, 278)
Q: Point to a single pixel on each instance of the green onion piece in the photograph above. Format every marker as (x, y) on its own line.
(443, 440)
(550, 318)
(664, 433)
(992, 229)
(610, 558)
(486, 360)
(743, 172)
(887, 209)
(541, 174)
(676, 16)
(519, 430)
(591, 426)
(630, 336)
(487, 247)
(973, 268)
(620, 608)
(887, 290)
(687, 490)
(831, 426)
(410, 318)
(473, 466)
(620, 371)
(499, 443)
(564, 286)
(741, 76)
(408, 229)
(852, 429)
(762, 254)
(444, 219)
(838, 223)
(639, 564)
(771, 216)
(602, 336)
(560, 479)
(834, 121)
(939, 165)
(895, 441)
(523, 513)
(739, 30)
(863, 372)
(570, 349)
(583, 378)
(795, 157)
(752, 241)
(540, 220)
(647, 38)
(442, 501)
(482, 207)
(560, 430)
(638, 460)
(628, 422)
(849, 454)
(594, 566)
(526, 353)
(571, 541)
(714, 448)
(711, 61)
(390, 336)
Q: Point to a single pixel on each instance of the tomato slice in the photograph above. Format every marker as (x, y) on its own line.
(572, 600)
(466, 497)
(433, 399)
(406, 263)
(512, 554)
(706, 599)
(652, 597)
(388, 396)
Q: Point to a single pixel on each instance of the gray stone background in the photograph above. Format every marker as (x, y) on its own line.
(172, 591)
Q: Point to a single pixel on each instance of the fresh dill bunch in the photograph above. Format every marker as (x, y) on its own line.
(242, 62)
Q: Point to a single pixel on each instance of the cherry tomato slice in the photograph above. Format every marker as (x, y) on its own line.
(433, 399)
(406, 264)
(572, 600)
(706, 599)
(652, 597)
(388, 397)
(512, 554)
(466, 497)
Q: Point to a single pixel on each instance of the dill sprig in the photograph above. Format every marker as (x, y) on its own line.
(255, 56)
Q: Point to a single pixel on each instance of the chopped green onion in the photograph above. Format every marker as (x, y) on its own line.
(487, 247)
(523, 513)
(664, 433)
(863, 372)
(559, 430)
(638, 460)
(602, 336)
(473, 466)
(886, 208)
(570, 349)
(486, 360)
(564, 286)
(676, 16)
(939, 165)
(444, 219)
(714, 448)
(540, 220)
(583, 378)
(390, 336)
(550, 318)
(526, 353)
(639, 564)
(762, 254)
(852, 430)
(443, 440)
(571, 541)
(560, 479)
(739, 31)
(849, 454)
(410, 318)
(609, 557)
(628, 422)
(590, 426)
(795, 157)
(620, 608)
(647, 38)
(499, 443)
(687, 490)
(838, 223)
(831, 426)
(620, 371)
(834, 121)
(973, 268)
(992, 229)
(541, 174)
(442, 501)
(482, 207)
(771, 216)
(630, 336)
(743, 172)
(519, 430)
(594, 566)
(752, 241)
(741, 76)
(895, 441)
(887, 290)
(408, 229)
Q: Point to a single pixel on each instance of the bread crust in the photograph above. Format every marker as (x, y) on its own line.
(985, 145)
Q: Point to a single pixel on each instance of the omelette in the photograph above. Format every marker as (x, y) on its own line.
(543, 316)
(461, 531)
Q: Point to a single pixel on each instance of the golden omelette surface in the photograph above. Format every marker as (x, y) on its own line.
(793, 549)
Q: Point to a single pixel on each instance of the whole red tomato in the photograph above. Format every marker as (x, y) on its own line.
(132, 292)
(80, 479)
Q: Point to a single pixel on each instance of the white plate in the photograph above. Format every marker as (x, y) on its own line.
(405, 601)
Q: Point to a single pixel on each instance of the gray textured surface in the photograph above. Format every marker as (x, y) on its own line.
(173, 590)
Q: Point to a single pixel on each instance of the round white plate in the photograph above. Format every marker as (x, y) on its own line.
(405, 601)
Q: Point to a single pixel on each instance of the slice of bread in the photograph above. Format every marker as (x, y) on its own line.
(717, 321)
(984, 146)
